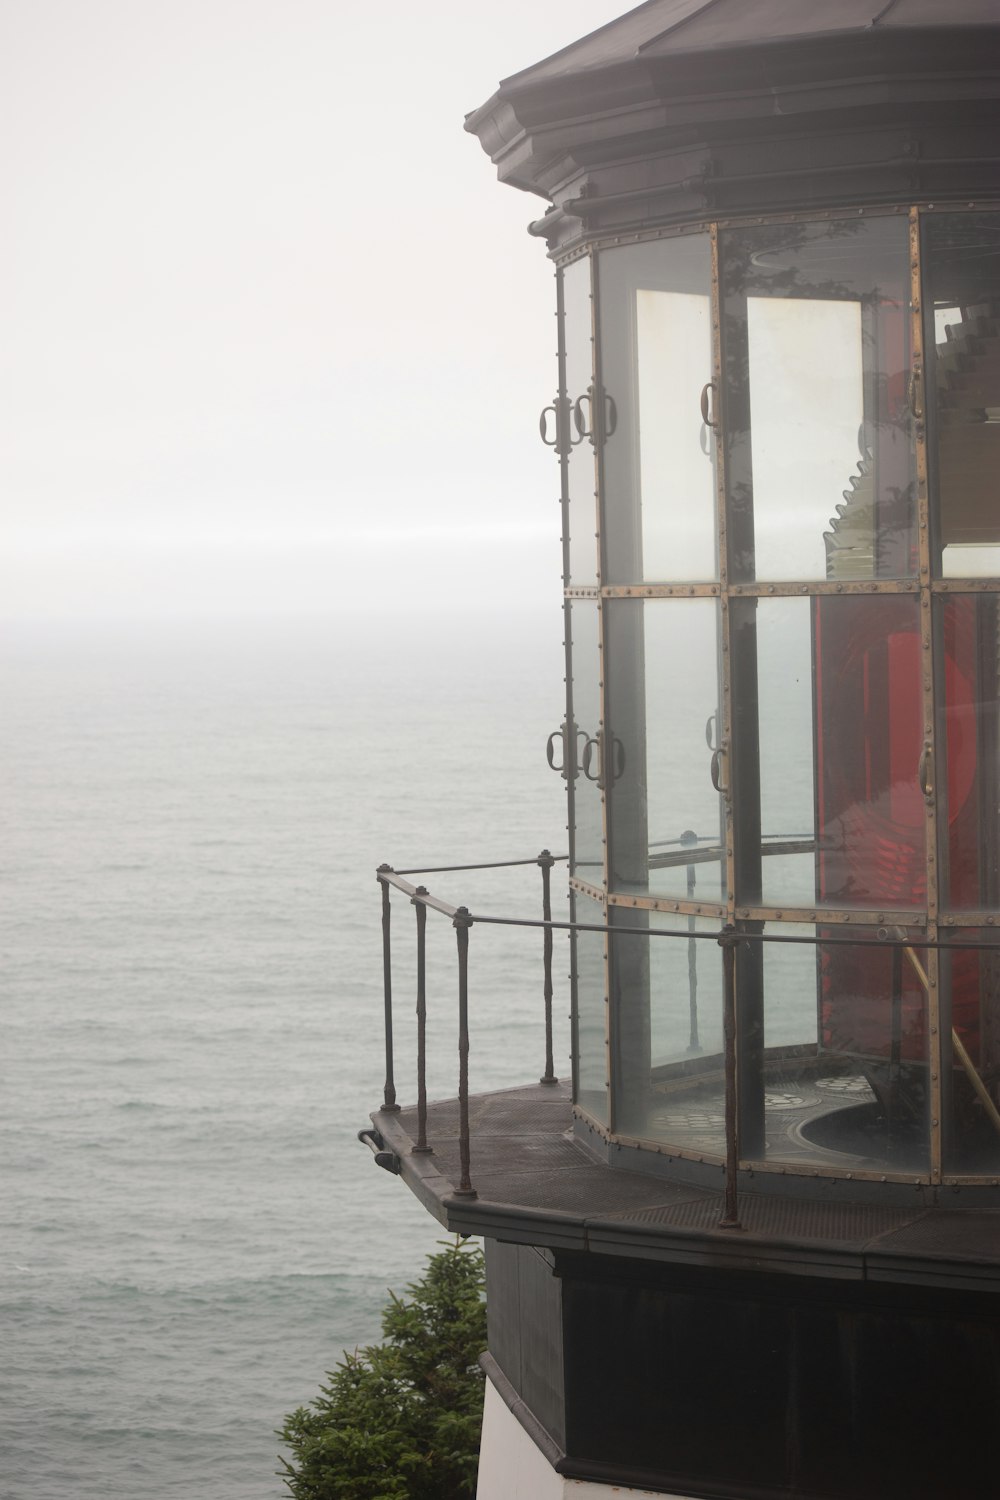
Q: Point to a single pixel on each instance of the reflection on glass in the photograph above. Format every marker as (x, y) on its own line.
(840, 1075)
(587, 816)
(970, 994)
(827, 800)
(804, 449)
(969, 750)
(590, 1008)
(666, 815)
(668, 1030)
(579, 341)
(961, 265)
(656, 359)
(818, 421)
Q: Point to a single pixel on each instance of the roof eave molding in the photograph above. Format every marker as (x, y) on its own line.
(541, 134)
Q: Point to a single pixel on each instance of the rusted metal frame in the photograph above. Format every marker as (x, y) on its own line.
(389, 1104)
(810, 914)
(584, 888)
(562, 402)
(598, 426)
(545, 863)
(732, 1036)
(660, 591)
(930, 670)
(810, 215)
(609, 239)
(582, 592)
(965, 585)
(569, 720)
(723, 624)
(967, 206)
(421, 914)
(604, 239)
(821, 587)
(971, 919)
(688, 907)
(828, 1170)
(462, 923)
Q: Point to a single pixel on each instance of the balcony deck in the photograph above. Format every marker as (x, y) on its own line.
(535, 1184)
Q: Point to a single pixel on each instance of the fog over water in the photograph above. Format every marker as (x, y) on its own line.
(279, 599)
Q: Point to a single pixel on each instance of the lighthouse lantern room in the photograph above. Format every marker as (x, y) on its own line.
(752, 1248)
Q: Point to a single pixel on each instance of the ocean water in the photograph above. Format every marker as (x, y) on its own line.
(190, 1026)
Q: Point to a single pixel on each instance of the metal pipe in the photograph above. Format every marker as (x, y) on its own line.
(421, 912)
(462, 923)
(545, 863)
(389, 1093)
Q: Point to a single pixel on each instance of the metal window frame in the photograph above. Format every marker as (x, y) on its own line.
(927, 919)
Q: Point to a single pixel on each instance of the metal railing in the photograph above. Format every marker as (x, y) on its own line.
(462, 920)
(728, 938)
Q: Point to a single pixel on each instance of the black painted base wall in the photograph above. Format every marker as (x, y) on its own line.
(710, 1383)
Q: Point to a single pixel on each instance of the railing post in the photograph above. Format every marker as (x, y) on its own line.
(462, 922)
(689, 840)
(421, 911)
(545, 862)
(389, 1096)
(727, 942)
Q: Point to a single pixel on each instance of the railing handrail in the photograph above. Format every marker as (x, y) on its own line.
(496, 864)
(887, 935)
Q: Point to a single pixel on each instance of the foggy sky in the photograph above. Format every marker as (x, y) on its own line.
(273, 337)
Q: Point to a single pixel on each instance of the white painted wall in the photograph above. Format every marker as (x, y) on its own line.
(511, 1467)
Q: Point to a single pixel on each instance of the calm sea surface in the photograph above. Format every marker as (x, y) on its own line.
(191, 1012)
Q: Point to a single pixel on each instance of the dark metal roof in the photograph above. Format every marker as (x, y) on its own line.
(664, 28)
(722, 107)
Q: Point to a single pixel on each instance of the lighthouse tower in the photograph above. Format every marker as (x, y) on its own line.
(752, 1249)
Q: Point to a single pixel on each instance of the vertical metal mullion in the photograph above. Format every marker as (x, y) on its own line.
(936, 1050)
(597, 429)
(725, 653)
(569, 719)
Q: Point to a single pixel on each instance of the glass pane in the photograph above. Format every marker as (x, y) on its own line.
(836, 1075)
(827, 804)
(970, 994)
(666, 816)
(578, 332)
(818, 427)
(962, 290)
(968, 778)
(590, 1032)
(659, 460)
(587, 816)
(667, 991)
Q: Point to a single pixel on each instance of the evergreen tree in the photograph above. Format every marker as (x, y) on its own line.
(401, 1420)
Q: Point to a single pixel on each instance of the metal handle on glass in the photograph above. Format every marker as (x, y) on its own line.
(585, 425)
(707, 409)
(587, 759)
(925, 770)
(715, 771)
(915, 394)
(543, 426)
